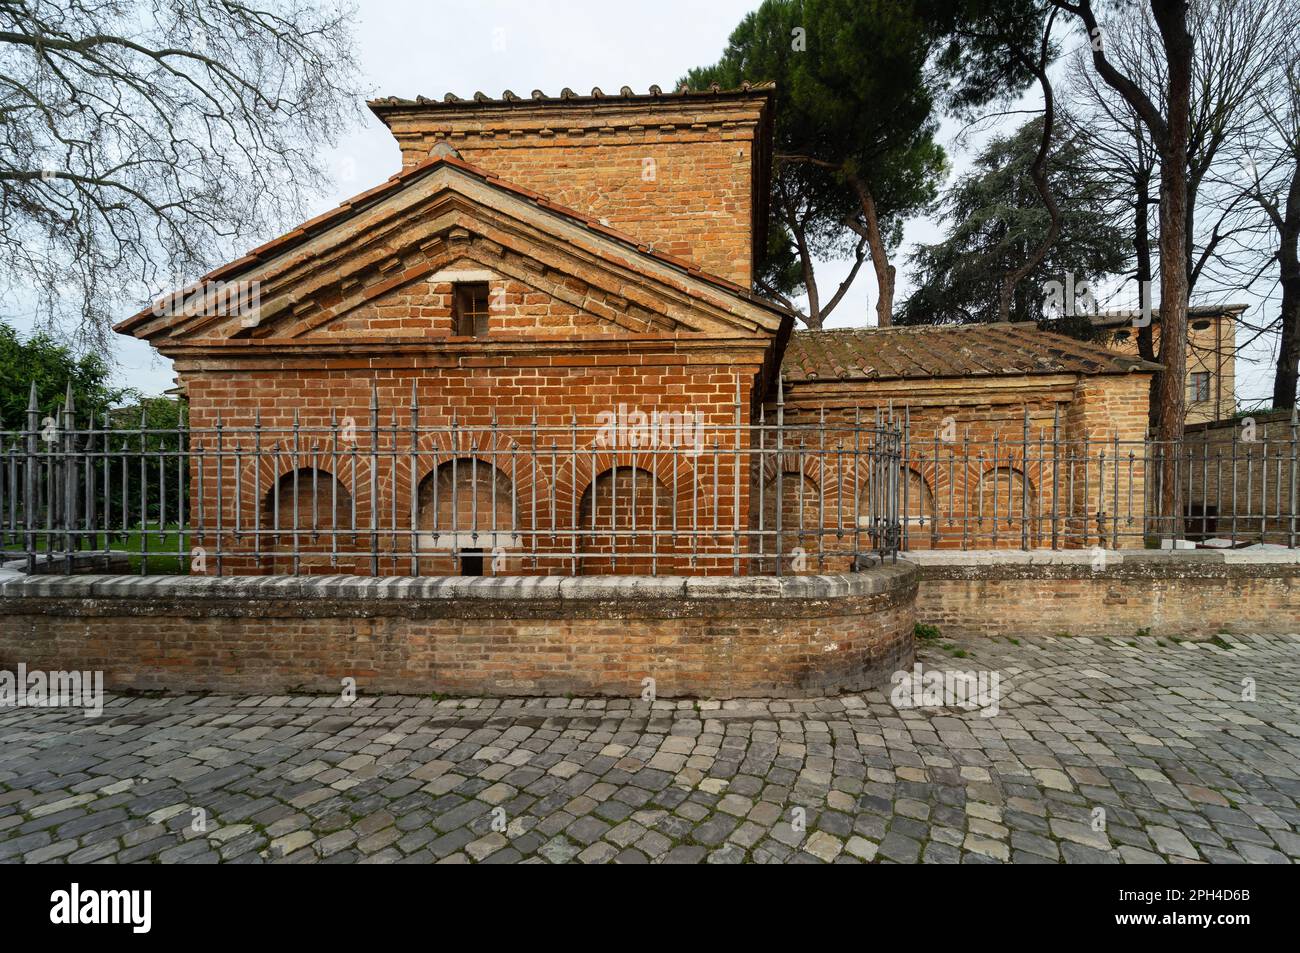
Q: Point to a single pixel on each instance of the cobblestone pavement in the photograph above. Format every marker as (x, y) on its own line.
(1154, 735)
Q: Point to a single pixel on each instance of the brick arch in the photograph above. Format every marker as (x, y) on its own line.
(811, 468)
(493, 448)
(936, 476)
(962, 479)
(1031, 470)
(258, 475)
(926, 505)
(649, 510)
(578, 472)
(327, 491)
(1012, 515)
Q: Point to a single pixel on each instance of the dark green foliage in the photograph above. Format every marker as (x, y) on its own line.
(856, 99)
(861, 100)
(995, 218)
(51, 365)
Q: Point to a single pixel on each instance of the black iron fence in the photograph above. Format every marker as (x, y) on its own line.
(1039, 485)
(389, 491)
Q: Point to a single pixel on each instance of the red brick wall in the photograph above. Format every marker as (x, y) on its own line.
(478, 390)
(626, 516)
(975, 485)
(680, 175)
(838, 635)
(1183, 595)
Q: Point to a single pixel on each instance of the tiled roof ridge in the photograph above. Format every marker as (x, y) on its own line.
(356, 203)
(567, 95)
(946, 351)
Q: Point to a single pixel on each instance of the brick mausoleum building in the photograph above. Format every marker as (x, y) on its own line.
(440, 350)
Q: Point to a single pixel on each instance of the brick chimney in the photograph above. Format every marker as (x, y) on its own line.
(685, 172)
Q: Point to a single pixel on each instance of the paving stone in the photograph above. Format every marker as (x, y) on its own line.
(685, 854)
(1172, 842)
(823, 846)
(1181, 775)
(1080, 834)
(899, 848)
(598, 853)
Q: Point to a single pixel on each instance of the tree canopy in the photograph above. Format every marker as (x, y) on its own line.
(860, 86)
(995, 216)
(51, 365)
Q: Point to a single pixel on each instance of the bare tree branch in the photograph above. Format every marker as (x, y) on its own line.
(143, 143)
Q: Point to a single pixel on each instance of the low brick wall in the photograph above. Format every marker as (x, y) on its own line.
(715, 637)
(1190, 593)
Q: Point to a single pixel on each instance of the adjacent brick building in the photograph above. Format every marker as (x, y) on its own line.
(1211, 355)
(1003, 426)
(1241, 478)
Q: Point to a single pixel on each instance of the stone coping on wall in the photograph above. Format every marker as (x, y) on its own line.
(933, 563)
(676, 589)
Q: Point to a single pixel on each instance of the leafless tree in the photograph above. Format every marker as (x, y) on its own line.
(143, 141)
(1237, 47)
(1169, 123)
(1269, 177)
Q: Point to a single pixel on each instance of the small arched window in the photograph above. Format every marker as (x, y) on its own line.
(309, 501)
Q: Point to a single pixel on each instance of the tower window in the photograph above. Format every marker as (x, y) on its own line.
(1200, 386)
(470, 308)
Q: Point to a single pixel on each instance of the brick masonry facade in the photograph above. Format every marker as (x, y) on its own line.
(635, 294)
(1241, 478)
(686, 173)
(579, 325)
(1002, 496)
(1211, 351)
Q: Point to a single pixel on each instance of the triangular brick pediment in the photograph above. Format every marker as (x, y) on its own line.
(383, 267)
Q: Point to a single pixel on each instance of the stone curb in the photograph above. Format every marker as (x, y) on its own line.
(1111, 557)
(866, 582)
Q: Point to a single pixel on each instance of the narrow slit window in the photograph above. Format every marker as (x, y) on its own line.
(470, 308)
(1200, 386)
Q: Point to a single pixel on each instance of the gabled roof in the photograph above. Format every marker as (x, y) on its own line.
(606, 244)
(946, 351)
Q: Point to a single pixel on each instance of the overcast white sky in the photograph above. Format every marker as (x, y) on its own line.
(409, 48)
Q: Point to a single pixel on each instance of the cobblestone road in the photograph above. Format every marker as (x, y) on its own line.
(1156, 736)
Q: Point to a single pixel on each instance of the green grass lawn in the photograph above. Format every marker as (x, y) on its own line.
(162, 550)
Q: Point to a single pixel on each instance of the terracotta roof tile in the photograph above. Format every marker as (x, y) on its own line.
(946, 351)
(567, 96)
